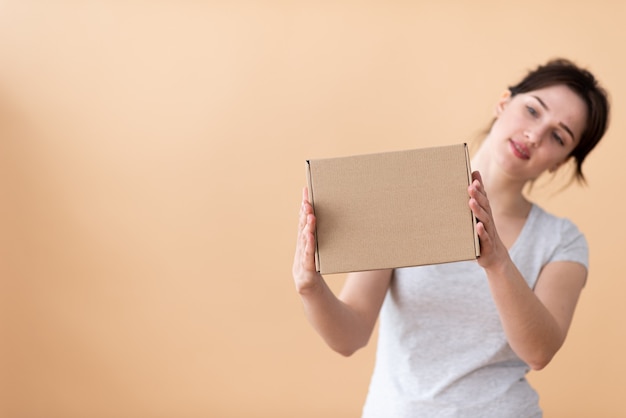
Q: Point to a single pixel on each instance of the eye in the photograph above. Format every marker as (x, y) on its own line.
(557, 137)
(532, 111)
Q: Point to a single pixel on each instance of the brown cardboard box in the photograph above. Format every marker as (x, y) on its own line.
(394, 209)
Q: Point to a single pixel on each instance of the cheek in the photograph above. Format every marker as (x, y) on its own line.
(505, 126)
(511, 118)
(551, 158)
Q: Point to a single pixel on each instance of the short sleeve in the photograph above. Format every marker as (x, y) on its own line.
(573, 245)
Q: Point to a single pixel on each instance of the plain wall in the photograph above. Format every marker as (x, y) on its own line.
(151, 164)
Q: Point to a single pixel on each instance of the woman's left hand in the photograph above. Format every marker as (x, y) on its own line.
(492, 250)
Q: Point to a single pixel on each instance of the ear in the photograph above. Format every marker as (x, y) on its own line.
(502, 102)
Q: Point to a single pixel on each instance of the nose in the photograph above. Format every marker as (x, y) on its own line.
(534, 136)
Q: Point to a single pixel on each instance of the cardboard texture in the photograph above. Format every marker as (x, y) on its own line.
(394, 209)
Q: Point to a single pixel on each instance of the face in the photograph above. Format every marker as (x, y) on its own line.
(536, 131)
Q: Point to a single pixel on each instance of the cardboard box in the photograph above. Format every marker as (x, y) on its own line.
(394, 209)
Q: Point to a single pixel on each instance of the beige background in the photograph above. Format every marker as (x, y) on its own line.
(151, 161)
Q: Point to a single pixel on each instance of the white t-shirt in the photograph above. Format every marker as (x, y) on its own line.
(442, 351)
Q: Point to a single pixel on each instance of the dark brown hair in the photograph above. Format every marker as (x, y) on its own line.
(564, 72)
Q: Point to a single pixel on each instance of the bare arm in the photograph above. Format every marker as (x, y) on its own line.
(345, 322)
(535, 322)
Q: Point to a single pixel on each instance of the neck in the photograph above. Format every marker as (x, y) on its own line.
(505, 194)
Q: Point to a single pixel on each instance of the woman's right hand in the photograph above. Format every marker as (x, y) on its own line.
(345, 323)
(305, 275)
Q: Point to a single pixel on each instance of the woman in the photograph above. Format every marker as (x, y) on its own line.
(457, 339)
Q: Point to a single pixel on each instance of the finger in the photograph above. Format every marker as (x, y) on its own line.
(477, 187)
(305, 247)
(477, 192)
(307, 228)
(305, 210)
(477, 176)
(477, 182)
(480, 212)
(485, 239)
(302, 221)
(305, 200)
(305, 194)
(309, 244)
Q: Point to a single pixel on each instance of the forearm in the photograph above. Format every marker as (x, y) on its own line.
(345, 323)
(532, 331)
(343, 329)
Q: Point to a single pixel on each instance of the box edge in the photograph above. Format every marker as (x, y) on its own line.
(469, 181)
(309, 179)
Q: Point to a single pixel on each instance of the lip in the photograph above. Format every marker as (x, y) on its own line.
(520, 150)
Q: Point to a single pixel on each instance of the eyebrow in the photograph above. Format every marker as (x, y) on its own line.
(564, 126)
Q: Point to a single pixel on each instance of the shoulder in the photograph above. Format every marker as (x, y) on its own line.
(560, 234)
(546, 221)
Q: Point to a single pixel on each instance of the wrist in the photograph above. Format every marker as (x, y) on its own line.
(500, 266)
(310, 286)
